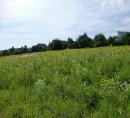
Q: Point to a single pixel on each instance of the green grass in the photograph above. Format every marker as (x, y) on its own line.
(83, 83)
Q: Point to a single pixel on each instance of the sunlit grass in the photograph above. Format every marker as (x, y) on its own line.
(79, 83)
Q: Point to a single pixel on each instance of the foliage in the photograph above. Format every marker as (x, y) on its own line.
(71, 43)
(57, 44)
(39, 48)
(99, 40)
(126, 38)
(111, 40)
(84, 41)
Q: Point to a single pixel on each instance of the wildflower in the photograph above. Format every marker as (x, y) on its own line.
(40, 83)
(105, 82)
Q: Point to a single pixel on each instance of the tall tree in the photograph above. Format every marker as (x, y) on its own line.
(70, 43)
(84, 41)
(111, 40)
(25, 49)
(126, 38)
(64, 44)
(12, 50)
(56, 44)
(99, 40)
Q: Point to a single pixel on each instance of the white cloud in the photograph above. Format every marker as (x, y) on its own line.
(18, 29)
(114, 7)
(126, 21)
(36, 20)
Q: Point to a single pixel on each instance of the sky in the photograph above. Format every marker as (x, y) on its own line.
(40, 21)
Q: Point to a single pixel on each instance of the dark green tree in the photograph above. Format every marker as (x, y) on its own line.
(84, 41)
(24, 49)
(64, 44)
(126, 38)
(12, 51)
(76, 46)
(99, 40)
(5, 53)
(70, 43)
(111, 40)
(56, 44)
(39, 47)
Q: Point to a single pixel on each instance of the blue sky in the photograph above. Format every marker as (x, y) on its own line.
(40, 21)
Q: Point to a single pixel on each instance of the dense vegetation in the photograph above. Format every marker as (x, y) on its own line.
(80, 83)
(82, 41)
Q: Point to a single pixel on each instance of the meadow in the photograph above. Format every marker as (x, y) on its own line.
(79, 83)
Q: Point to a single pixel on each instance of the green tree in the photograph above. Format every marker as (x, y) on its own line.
(56, 44)
(70, 43)
(99, 40)
(5, 52)
(84, 41)
(12, 50)
(126, 38)
(39, 47)
(64, 44)
(25, 49)
(111, 40)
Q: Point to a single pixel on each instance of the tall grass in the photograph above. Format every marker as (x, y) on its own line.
(83, 83)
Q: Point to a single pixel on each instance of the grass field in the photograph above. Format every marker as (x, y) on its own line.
(83, 83)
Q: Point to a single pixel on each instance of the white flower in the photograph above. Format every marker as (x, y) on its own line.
(40, 83)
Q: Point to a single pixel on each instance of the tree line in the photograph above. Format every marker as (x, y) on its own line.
(83, 41)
